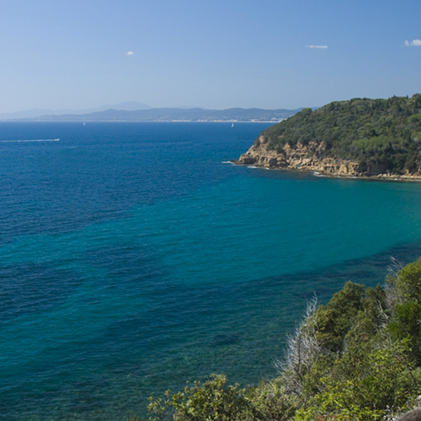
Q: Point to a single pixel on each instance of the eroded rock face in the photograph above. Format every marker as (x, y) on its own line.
(311, 158)
(303, 157)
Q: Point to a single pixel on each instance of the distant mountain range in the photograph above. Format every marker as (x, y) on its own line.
(34, 113)
(175, 114)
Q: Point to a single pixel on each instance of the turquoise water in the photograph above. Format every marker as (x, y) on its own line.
(133, 257)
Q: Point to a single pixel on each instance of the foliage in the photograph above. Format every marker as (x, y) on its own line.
(211, 400)
(214, 400)
(365, 395)
(356, 358)
(379, 134)
(405, 322)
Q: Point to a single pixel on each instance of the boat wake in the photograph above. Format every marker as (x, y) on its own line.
(29, 140)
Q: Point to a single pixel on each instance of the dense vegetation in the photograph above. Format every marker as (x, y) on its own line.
(386, 133)
(356, 358)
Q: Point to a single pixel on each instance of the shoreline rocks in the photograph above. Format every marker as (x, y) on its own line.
(309, 158)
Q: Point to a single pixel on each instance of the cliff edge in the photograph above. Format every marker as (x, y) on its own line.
(356, 138)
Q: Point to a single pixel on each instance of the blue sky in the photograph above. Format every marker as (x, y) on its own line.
(212, 54)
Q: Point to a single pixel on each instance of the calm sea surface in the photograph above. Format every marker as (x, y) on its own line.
(134, 258)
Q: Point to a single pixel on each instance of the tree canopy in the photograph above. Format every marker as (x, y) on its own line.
(385, 132)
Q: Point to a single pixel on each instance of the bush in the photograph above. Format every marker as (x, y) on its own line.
(356, 358)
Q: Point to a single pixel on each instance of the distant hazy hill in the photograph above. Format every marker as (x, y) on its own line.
(351, 138)
(34, 113)
(176, 114)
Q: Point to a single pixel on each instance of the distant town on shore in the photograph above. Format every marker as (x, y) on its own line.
(137, 112)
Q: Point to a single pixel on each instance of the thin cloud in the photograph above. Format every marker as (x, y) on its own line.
(317, 46)
(130, 53)
(413, 43)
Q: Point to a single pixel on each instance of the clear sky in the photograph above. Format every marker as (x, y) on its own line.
(211, 54)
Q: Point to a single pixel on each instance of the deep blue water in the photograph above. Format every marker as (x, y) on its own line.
(134, 258)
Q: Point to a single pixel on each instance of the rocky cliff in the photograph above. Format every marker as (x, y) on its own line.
(357, 138)
(311, 157)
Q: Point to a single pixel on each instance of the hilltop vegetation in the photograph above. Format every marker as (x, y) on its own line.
(383, 133)
(356, 358)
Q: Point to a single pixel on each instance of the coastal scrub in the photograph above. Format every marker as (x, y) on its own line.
(356, 358)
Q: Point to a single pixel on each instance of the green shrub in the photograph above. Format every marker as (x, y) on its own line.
(356, 358)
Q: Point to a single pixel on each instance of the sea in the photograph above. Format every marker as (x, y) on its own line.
(135, 257)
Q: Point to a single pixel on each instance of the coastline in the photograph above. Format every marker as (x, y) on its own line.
(380, 177)
(306, 159)
(139, 121)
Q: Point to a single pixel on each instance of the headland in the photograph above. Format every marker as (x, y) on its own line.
(377, 139)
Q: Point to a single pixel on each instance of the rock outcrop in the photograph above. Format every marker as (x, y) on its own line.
(414, 415)
(312, 157)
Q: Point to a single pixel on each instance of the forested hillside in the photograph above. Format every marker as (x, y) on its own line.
(384, 133)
